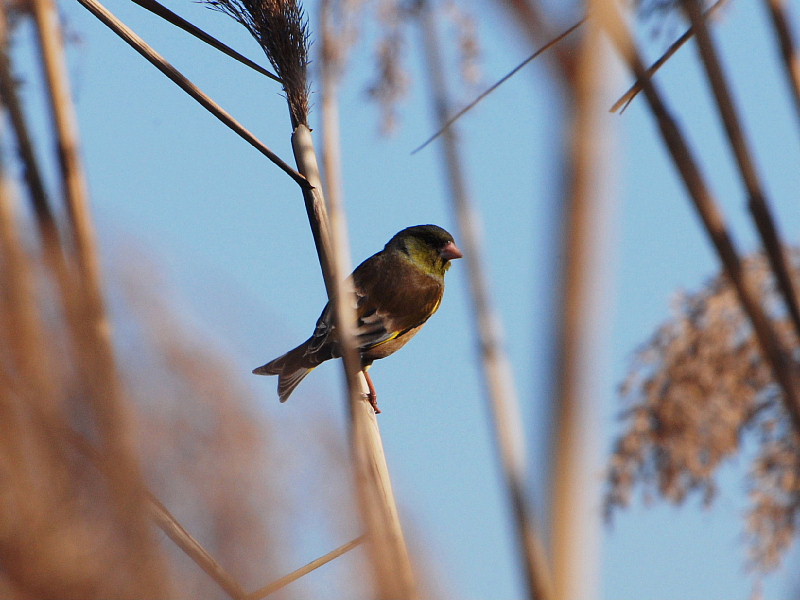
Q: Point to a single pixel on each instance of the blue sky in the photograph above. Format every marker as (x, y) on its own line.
(230, 232)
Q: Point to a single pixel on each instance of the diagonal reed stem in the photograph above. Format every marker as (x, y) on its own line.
(162, 517)
(159, 62)
(708, 210)
(501, 393)
(281, 583)
(455, 117)
(787, 47)
(162, 11)
(622, 103)
(25, 150)
(757, 200)
(192, 548)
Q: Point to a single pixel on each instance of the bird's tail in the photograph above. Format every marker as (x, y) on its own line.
(291, 369)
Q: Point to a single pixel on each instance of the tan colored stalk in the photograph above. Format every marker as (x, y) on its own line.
(279, 27)
(96, 354)
(501, 393)
(529, 15)
(707, 208)
(452, 119)
(388, 554)
(626, 98)
(575, 492)
(40, 376)
(159, 62)
(787, 47)
(34, 183)
(392, 573)
(193, 549)
(31, 170)
(281, 583)
(162, 11)
(757, 200)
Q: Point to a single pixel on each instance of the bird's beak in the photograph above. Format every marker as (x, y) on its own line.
(450, 251)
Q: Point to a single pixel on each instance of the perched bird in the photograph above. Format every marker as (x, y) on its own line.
(397, 290)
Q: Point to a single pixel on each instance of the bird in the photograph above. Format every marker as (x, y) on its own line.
(396, 291)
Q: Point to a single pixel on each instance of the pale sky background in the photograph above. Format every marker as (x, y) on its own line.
(229, 232)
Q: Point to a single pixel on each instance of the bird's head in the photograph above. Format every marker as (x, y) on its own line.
(428, 246)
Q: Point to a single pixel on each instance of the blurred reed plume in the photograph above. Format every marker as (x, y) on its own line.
(194, 431)
(698, 390)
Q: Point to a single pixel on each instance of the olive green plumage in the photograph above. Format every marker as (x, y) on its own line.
(397, 291)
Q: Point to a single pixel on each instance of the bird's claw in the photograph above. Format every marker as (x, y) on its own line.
(373, 401)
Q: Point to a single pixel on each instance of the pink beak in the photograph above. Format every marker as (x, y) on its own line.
(450, 251)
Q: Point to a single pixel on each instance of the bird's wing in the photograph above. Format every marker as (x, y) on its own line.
(322, 331)
(393, 297)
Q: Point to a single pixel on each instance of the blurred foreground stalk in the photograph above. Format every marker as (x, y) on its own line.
(583, 320)
(498, 377)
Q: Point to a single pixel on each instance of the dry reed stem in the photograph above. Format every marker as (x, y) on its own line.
(48, 488)
(710, 214)
(280, 28)
(99, 371)
(622, 103)
(389, 557)
(575, 541)
(501, 393)
(27, 387)
(45, 221)
(449, 121)
(25, 340)
(158, 61)
(162, 11)
(757, 201)
(193, 549)
(530, 17)
(392, 572)
(305, 570)
(27, 155)
(787, 48)
(165, 521)
(331, 58)
(574, 570)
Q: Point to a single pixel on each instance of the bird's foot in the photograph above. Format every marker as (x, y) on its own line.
(372, 395)
(373, 401)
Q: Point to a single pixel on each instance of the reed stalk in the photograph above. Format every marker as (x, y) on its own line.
(582, 318)
(24, 143)
(154, 58)
(170, 17)
(622, 103)
(757, 202)
(93, 342)
(280, 28)
(281, 583)
(787, 47)
(457, 115)
(498, 378)
(42, 376)
(711, 216)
